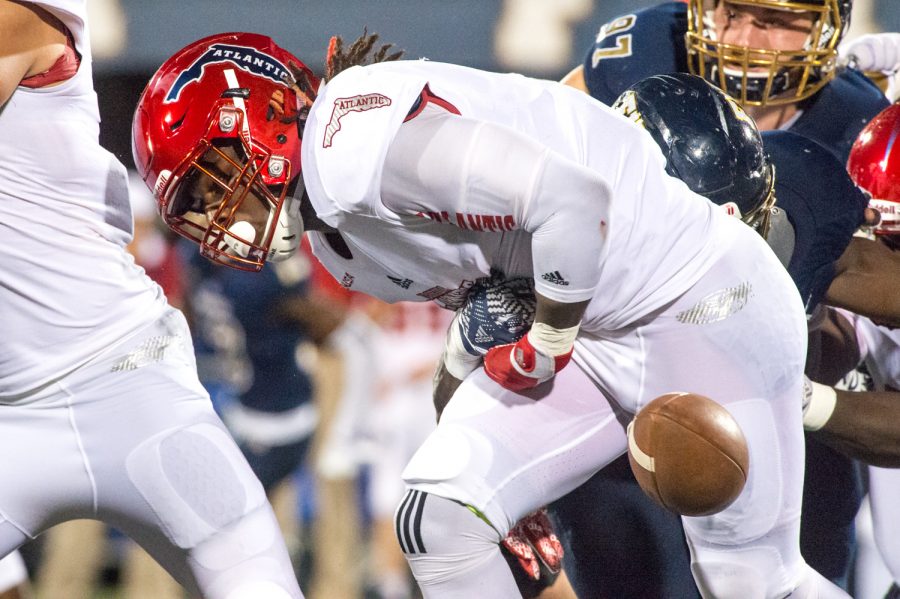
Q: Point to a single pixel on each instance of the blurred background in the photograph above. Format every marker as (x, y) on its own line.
(543, 38)
(330, 432)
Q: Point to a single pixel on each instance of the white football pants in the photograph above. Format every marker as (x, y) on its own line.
(131, 439)
(738, 336)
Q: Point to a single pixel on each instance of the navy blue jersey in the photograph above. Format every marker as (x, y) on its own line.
(652, 42)
(822, 203)
(636, 46)
(275, 383)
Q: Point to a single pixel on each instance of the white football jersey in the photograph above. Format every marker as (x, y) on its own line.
(67, 288)
(658, 237)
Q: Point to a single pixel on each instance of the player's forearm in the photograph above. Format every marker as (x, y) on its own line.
(865, 426)
(559, 315)
(833, 349)
(876, 296)
(317, 317)
(445, 385)
(868, 282)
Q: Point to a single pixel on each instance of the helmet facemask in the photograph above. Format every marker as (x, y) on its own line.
(764, 76)
(228, 195)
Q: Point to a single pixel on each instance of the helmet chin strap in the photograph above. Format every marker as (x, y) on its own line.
(781, 237)
(288, 230)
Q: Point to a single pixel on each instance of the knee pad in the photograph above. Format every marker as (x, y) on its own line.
(442, 538)
(759, 572)
(195, 480)
(447, 464)
(428, 523)
(259, 590)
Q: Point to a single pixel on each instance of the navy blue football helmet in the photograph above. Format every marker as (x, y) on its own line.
(708, 140)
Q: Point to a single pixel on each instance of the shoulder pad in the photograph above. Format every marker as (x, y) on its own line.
(346, 139)
(822, 204)
(634, 46)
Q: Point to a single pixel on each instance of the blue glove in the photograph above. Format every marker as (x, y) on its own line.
(497, 312)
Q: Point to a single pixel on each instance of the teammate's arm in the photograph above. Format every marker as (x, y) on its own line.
(30, 43)
(864, 425)
(868, 281)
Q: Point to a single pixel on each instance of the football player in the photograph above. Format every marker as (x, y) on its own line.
(103, 415)
(711, 145)
(419, 178)
(875, 346)
(779, 59)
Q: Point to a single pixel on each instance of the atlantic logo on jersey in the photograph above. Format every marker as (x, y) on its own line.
(248, 59)
(344, 106)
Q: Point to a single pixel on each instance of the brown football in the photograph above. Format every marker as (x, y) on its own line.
(688, 453)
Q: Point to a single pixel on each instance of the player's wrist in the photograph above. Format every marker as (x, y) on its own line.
(819, 403)
(551, 341)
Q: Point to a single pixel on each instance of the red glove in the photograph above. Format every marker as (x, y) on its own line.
(520, 366)
(533, 539)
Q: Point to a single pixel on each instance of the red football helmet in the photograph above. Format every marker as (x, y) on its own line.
(874, 165)
(210, 138)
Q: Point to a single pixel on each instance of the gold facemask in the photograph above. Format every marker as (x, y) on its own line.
(762, 76)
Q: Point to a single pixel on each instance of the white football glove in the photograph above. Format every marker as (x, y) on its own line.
(873, 52)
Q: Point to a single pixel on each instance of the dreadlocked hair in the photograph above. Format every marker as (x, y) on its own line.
(358, 54)
(337, 59)
(300, 83)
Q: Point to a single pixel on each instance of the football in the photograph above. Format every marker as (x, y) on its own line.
(688, 454)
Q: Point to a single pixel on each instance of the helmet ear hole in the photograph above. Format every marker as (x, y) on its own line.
(174, 126)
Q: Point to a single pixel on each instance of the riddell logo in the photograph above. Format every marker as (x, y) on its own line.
(344, 106)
